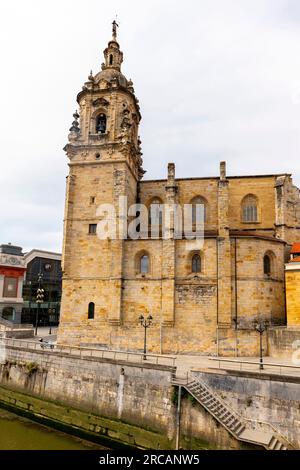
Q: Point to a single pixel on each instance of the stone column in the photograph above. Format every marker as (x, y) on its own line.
(168, 256)
(224, 251)
(280, 207)
(117, 252)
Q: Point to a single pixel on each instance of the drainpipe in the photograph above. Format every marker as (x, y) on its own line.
(178, 418)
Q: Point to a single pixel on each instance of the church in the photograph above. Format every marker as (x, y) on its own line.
(202, 300)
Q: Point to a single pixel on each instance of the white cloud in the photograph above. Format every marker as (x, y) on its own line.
(216, 79)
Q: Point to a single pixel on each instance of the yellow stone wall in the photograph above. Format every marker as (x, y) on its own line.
(292, 277)
(207, 313)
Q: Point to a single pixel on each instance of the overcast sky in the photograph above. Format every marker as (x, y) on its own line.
(216, 79)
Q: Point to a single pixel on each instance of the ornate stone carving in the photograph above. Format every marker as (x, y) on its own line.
(101, 102)
(75, 124)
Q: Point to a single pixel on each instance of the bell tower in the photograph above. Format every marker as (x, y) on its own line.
(104, 163)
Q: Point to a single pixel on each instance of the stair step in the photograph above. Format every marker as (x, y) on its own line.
(278, 446)
(273, 443)
(240, 429)
(231, 420)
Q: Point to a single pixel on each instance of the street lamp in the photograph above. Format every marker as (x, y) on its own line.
(51, 312)
(39, 300)
(260, 328)
(145, 322)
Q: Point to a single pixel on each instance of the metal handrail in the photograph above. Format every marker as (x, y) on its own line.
(258, 421)
(231, 409)
(92, 352)
(241, 363)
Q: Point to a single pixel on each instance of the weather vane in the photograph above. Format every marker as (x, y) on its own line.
(114, 28)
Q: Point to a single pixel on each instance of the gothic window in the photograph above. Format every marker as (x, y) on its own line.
(267, 265)
(144, 264)
(196, 263)
(199, 208)
(91, 311)
(249, 209)
(101, 124)
(92, 229)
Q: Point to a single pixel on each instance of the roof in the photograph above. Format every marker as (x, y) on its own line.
(295, 260)
(295, 248)
(193, 178)
(35, 253)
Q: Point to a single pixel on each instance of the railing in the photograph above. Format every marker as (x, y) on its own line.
(14, 326)
(184, 381)
(85, 352)
(247, 366)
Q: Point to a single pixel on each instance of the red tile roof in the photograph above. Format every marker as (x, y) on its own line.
(295, 248)
(295, 260)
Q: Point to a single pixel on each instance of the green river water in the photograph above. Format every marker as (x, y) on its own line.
(17, 433)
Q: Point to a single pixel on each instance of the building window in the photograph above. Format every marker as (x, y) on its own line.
(101, 124)
(91, 311)
(97, 156)
(249, 209)
(8, 313)
(267, 265)
(110, 59)
(196, 263)
(199, 208)
(92, 229)
(92, 200)
(144, 264)
(10, 288)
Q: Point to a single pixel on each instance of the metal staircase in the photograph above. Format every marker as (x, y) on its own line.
(254, 432)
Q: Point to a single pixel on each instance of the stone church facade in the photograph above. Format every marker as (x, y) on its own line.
(203, 301)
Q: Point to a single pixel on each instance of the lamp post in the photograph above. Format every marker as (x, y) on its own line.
(145, 322)
(260, 328)
(51, 312)
(39, 300)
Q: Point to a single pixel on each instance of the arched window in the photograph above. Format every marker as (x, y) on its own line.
(110, 59)
(249, 208)
(267, 265)
(144, 264)
(196, 263)
(101, 124)
(91, 311)
(199, 209)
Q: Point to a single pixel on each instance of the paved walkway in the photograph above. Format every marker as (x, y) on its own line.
(43, 332)
(186, 363)
(271, 365)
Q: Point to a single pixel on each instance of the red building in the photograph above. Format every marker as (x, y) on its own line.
(12, 271)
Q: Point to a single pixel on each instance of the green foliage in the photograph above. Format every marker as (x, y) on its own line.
(31, 367)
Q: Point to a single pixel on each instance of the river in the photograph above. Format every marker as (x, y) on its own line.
(17, 433)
